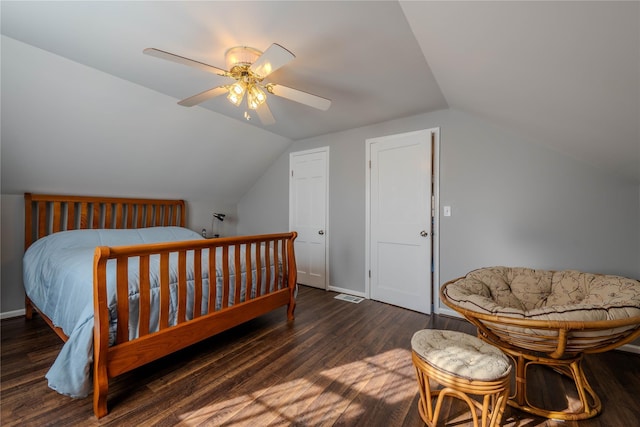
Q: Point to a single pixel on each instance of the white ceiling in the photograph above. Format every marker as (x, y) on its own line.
(565, 74)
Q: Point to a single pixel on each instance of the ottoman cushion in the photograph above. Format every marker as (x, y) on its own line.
(460, 354)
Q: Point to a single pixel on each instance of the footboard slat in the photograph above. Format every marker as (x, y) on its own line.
(197, 283)
(122, 286)
(182, 286)
(285, 262)
(225, 277)
(145, 296)
(164, 290)
(278, 273)
(267, 263)
(238, 275)
(259, 270)
(213, 290)
(249, 269)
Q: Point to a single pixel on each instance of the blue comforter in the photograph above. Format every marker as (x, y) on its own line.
(58, 278)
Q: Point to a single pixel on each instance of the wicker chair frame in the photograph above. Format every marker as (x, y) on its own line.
(560, 345)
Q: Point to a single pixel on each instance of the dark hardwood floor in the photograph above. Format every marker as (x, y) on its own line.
(337, 364)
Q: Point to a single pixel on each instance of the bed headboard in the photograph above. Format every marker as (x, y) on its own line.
(47, 214)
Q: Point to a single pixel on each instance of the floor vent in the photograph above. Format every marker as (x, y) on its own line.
(349, 298)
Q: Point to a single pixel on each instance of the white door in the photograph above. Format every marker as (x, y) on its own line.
(400, 220)
(308, 200)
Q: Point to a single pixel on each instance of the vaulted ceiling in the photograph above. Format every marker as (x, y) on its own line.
(563, 74)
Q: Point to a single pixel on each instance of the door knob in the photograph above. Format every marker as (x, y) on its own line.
(321, 232)
(423, 233)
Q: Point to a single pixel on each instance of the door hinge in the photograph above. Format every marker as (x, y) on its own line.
(369, 164)
(291, 172)
(369, 274)
(433, 206)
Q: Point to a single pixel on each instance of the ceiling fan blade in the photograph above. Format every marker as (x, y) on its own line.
(203, 96)
(296, 95)
(273, 58)
(185, 61)
(264, 113)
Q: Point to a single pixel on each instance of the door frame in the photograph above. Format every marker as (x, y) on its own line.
(435, 212)
(327, 234)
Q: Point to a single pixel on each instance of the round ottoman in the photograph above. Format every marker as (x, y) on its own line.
(460, 364)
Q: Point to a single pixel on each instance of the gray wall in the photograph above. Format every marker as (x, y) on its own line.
(12, 247)
(514, 202)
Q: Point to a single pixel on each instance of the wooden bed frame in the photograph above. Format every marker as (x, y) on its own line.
(47, 214)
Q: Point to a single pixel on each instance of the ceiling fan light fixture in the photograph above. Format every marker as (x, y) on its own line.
(238, 88)
(255, 97)
(235, 99)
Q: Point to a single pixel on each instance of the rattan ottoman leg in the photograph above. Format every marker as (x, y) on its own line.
(424, 402)
(499, 406)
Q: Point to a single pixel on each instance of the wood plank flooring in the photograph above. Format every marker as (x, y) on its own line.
(337, 364)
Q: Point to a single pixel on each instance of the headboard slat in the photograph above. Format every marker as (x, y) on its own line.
(57, 226)
(140, 216)
(84, 216)
(96, 216)
(129, 216)
(149, 215)
(42, 220)
(119, 220)
(71, 216)
(108, 216)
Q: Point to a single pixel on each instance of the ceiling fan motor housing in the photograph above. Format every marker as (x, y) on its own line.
(241, 56)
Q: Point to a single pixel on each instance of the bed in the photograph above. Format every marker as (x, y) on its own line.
(123, 283)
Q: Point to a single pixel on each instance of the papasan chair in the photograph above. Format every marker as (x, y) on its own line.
(550, 318)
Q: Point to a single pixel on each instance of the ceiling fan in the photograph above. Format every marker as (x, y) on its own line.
(247, 69)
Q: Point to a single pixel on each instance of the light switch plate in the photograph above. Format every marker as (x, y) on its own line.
(447, 211)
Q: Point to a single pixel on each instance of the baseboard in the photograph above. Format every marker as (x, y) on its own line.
(446, 311)
(10, 314)
(346, 291)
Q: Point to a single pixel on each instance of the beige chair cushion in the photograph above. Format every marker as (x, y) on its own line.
(546, 295)
(460, 354)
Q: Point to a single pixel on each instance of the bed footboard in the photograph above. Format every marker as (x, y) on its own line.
(190, 310)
